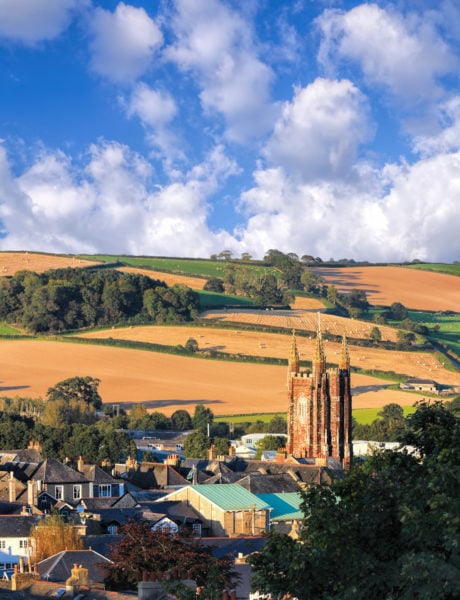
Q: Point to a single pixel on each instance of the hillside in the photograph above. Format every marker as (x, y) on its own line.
(166, 382)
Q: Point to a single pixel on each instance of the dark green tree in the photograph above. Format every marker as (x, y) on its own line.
(214, 284)
(202, 417)
(83, 389)
(181, 420)
(398, 311)
(196, 445)
(191, 345)
(389, 529)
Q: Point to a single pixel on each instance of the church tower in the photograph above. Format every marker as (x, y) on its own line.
(319, 408)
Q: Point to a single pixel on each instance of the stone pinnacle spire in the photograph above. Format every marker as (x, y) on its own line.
(344, 362)
(319, 355)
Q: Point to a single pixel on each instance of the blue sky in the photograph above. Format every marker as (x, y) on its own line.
(186, 127)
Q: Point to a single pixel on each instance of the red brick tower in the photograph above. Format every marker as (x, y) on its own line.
(319, 412)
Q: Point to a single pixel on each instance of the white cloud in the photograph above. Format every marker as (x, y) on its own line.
(155, 109)
(123, 42)
(409, 212)
(109, 204)
(30, 22)
(447, 138)
(318, 133)
(215, 44)
(404, 55)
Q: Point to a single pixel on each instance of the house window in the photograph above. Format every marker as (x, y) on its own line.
(2, 544)
(23, 543)
(105, 490)
(59, 492)
(77, 492)
(112, 529)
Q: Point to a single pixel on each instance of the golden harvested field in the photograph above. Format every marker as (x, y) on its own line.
(301, 320)
(195, 283)
(414, 364)
(162, 382)
(422, 290)
(10, 262)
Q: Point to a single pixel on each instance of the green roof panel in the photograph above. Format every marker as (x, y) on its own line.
(285, 506)
(230, 496)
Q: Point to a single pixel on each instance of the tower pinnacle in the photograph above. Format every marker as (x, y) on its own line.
(344, 362)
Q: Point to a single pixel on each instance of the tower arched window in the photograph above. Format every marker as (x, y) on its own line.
(302, 408)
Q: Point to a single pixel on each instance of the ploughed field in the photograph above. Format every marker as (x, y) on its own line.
(163, 382)
(166, 382)
(234, 341)
(11, 262)
(416, 289)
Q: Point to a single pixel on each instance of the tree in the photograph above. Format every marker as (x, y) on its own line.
(51, 535)
(83, 389)
(221, 446)
(405, 338)
(165, 557)
(214, 284)
(269, 442)
(191, 345)
(196, 445)
(398, 311)
(202, 417)
(181, 420)
(389, 529)
(277, 424)
(375, 335)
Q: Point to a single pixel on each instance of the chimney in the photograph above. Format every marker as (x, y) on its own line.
(212, 452)
(80, 464)
(12, 488)
(32, 495)
(172, 460)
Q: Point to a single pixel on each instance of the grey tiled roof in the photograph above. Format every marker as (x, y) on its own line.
(53, 471)
(16, 526)
(59, 566)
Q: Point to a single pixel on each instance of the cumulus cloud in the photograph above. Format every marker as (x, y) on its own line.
(447, 137)
(109, 203)
(123, 42)
(215, 44)
(319, 131)
(155, 109)
(31, 22)
(405, 55)
(399, 218)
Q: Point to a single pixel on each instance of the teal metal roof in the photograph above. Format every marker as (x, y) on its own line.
(285, 506)
(230, 496)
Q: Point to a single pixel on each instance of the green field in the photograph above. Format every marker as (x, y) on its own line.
(6, 329)
(446, 323)
(209, 300)
(183, 266)
(364, 416)
(450, 269)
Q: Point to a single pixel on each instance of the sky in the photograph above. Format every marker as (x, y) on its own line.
(188, 127)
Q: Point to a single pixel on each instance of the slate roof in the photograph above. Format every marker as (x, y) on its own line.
(230, 496)
(227, 546)
(285, 507)
(154, 476)
(59, 566)
(15, 526)
(53, 471)
(121, 516)
(95, 474)
(176, 510)
(258, 483)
